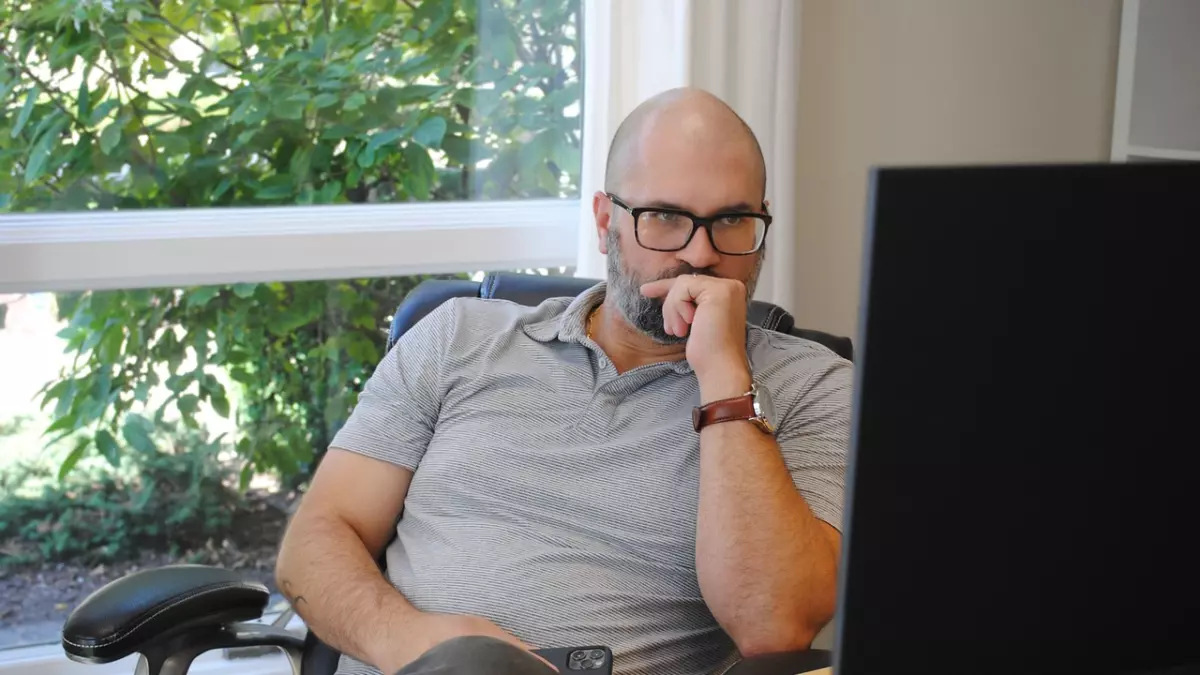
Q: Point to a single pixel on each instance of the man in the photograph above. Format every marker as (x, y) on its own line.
(555, 491)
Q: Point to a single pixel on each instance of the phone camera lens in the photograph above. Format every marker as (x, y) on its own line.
(596, 654)
(578, 656)
(588, 664)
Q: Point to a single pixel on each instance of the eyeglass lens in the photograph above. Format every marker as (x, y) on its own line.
(667, 231)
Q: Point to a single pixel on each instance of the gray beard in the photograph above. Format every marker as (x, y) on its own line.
(646, 314)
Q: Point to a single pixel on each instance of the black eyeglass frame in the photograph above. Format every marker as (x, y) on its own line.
(697, 223)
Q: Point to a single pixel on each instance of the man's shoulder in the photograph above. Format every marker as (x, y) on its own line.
(788, 363)
(478, 317)
(773, 346)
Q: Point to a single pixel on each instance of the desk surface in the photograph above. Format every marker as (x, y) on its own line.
(819, 671)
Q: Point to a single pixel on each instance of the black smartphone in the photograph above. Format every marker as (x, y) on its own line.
(584, 660)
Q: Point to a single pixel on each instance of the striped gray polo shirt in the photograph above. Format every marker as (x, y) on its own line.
(558, 498)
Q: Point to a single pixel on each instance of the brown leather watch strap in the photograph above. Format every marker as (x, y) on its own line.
(725, 410)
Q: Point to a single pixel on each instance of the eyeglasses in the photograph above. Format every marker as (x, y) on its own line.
(664, 229)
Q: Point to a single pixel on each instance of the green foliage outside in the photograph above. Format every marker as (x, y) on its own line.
(134, 104)
(174, 497)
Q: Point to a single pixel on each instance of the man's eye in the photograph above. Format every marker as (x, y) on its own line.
(664, 217)
(730, 220)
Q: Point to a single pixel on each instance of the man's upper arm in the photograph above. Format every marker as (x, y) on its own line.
(398, 407)
(366, 493)
(814, 436)
(365, 476)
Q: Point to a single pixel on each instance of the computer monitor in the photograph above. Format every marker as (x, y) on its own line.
(1024, 482)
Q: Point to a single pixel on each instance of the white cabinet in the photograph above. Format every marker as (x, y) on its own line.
(1157, 113)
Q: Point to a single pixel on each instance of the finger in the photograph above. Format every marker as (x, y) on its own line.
(671, 317)
(686, 292)
(687, 310)
(549, 665)
(537, 656)
(682, 308)
(658, 289)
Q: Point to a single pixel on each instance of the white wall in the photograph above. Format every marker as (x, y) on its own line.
(934, 81)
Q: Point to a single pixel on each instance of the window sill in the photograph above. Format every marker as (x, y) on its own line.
(176, 247)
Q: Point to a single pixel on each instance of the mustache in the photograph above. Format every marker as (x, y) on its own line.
(686, 268)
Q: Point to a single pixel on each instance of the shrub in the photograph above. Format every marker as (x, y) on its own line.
(161, 500)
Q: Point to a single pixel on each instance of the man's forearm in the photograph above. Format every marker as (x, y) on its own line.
(766, 565)
(328, 575)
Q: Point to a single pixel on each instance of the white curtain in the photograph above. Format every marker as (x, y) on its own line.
(744, 51)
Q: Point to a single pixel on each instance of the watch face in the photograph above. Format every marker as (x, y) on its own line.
(764, 405)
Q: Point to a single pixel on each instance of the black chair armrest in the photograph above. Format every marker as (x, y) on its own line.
(783, 663)
(140, 610)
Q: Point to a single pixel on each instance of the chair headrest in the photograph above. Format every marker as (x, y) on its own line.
(531, 290)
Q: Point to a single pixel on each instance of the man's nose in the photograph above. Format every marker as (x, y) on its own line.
(699, 252)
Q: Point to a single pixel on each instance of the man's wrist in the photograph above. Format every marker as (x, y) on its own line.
(402, 641)
(727, 382)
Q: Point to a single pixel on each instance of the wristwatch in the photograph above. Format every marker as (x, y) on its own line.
(755, 406)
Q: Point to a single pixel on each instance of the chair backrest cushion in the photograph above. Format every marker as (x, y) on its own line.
(531, 290)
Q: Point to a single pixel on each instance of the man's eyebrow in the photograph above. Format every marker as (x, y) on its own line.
(740, 207)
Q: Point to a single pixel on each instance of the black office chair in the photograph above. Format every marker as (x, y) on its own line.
(172, 614)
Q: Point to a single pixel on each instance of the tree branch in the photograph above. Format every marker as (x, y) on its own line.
(286, 20)
(539, 42)
(48, 180)
(133, 106)
(47, 87)
(129, 86)
(522, 51)
(167, 56)
(204, 48)
(237, 26)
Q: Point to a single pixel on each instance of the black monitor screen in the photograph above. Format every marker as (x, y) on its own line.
(1024, 478)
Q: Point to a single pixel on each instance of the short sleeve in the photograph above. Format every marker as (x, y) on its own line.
(398, 407)
(814, 436)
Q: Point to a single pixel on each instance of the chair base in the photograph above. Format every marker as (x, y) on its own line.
(175, 656)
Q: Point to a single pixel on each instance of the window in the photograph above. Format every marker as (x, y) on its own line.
(228, 117)
(208, 211)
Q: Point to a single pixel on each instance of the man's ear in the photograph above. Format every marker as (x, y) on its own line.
(766, 206)
(602, 211)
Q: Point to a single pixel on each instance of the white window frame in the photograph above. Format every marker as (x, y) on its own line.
(90, 250)
(103, 250)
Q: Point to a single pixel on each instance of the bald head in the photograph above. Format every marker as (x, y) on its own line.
(685, 116)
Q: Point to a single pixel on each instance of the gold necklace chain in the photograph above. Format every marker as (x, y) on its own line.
(591, 320)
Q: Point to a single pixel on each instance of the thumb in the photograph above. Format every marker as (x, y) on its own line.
(549, 665)
(537, 656)
(517, 641)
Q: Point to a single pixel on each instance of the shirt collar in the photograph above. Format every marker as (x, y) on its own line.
(571, 325)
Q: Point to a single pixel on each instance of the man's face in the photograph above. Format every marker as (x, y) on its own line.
(703, 178)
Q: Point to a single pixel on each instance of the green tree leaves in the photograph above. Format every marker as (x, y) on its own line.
(107, 445)
(217, 103)
(110, 137)
(137, 435)
(26, 111)
(431, 132)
